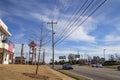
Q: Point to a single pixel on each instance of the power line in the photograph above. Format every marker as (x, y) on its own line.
(76, 20)
(70, 20)
(71, 29)
(66, 9)
(83, 21)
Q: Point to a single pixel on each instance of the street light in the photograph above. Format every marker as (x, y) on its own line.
(104, 52)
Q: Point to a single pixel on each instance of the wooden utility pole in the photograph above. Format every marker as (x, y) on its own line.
(43, 56)
(22, 55)
(52, 41)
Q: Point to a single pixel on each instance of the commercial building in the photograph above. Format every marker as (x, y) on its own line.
(6, 46)
(18, 60)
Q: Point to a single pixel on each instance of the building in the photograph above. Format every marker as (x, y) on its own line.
(6, 46)
(18, 60)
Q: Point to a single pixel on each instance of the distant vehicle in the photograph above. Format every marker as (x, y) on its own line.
(97, 65)
(67, 66)
(118, 68)
(94, 65)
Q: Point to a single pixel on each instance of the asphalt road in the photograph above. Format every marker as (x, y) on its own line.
(94, 73)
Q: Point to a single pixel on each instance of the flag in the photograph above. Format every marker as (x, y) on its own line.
(10, 46)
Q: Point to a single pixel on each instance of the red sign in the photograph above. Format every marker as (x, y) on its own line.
(32, 44)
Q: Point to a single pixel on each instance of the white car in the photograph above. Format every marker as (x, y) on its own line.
(97, 65)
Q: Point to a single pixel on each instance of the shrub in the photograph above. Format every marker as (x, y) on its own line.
(110, 63)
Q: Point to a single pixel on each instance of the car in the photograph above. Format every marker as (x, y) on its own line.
(97, 65)
(93, 65)
(67, 66)
(118, 68)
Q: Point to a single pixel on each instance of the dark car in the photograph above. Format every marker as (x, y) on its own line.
(118, 68)
(67, 66)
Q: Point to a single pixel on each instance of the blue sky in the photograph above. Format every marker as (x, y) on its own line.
(24, 19)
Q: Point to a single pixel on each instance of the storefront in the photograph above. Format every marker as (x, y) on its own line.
(6, 46)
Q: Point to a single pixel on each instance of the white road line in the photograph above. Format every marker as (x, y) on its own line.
(87, 77)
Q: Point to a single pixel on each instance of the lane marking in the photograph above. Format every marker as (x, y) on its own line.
(87, 77)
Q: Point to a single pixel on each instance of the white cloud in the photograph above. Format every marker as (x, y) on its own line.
(19, 36)
(40, 17)
(64, 2)
(82, 33)
(115, 35)
(95, 50)
(112, 37)
(64, 52)
(18, 49)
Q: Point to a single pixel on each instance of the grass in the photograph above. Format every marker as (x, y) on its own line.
(27, 72)
(112, 67)
(71, 75)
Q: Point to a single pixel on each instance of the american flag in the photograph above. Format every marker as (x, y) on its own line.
(10, 46)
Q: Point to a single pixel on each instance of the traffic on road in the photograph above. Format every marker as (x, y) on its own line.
(93, 73)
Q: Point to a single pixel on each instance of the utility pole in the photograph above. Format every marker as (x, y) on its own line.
(78, 56)
(52, 41)
(43, 56)
(22, 57)
(104, 53)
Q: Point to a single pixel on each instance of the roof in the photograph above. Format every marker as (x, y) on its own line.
(4, 28)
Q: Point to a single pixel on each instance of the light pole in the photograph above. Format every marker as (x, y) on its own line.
(104, 53)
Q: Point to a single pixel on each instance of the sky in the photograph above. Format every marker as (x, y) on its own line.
(25, 19)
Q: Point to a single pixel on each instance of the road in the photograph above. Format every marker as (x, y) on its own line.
(94, 73)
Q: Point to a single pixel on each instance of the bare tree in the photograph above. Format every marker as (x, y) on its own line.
(111, 57)
(117, 57)
(41, 36)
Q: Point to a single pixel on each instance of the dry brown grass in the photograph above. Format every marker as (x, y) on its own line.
(27, 72)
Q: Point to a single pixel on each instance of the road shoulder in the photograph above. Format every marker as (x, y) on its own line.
(62, 76)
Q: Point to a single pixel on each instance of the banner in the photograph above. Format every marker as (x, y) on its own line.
(10, 46)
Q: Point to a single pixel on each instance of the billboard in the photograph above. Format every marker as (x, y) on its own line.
(62, 57)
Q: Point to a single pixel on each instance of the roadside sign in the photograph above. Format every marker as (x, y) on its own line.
(32, 44)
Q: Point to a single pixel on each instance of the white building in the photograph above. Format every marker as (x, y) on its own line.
(6, 46)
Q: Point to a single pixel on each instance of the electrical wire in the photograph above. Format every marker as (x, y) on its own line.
(69, 26)
(83, 21)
